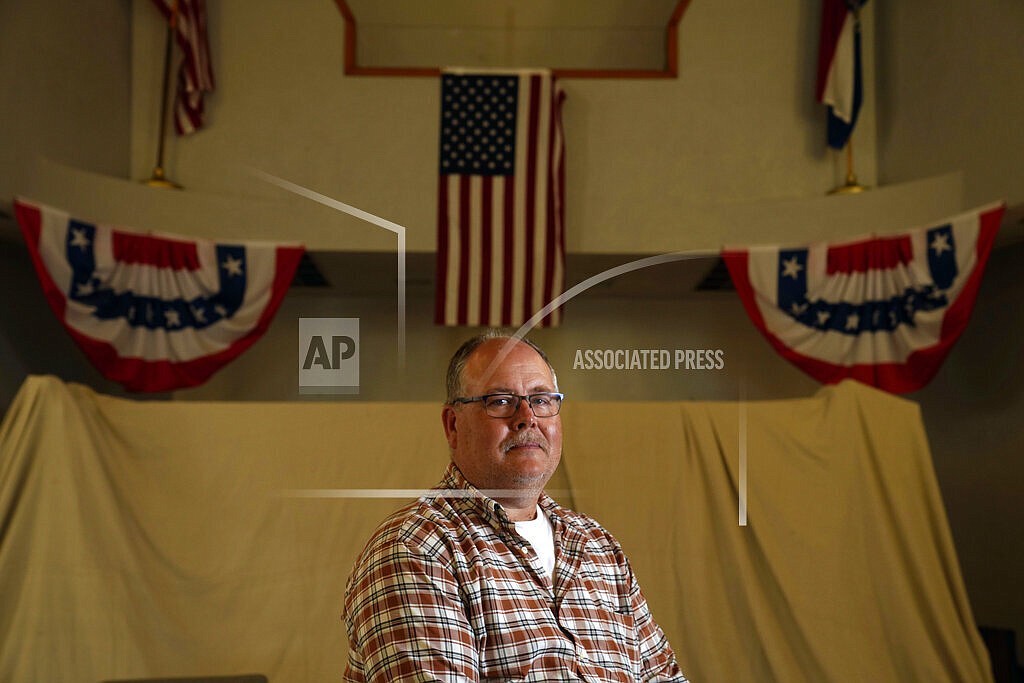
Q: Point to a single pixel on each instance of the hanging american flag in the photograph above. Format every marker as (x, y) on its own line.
(195, 75)
(500, 232)
(882, 310)
(155, 313)
(840, 83)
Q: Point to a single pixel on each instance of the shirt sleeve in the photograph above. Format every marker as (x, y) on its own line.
(657, 658)
(405, 619)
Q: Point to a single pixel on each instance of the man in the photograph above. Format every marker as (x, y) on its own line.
(488, 578)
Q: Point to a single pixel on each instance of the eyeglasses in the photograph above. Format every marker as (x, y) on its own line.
(546, 404)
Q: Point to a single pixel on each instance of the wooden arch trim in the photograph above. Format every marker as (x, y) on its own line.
(670, 70)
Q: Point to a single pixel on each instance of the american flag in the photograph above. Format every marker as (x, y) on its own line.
(500, 232)
(195, 76)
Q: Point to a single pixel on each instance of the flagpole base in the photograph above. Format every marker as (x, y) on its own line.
(158, 180)
(849, 188)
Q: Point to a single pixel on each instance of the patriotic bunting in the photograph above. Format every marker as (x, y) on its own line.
(882, 310)
(500, 231)
(155, 313)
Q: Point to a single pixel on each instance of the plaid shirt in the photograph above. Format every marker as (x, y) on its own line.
(446, 590)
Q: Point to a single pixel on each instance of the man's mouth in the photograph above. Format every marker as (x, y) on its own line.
(525, 444)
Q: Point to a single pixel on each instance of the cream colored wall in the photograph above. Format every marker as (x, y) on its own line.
(684, 163)
(951, 94)
(64, 72)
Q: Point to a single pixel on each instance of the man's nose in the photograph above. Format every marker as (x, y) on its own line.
(523, 417)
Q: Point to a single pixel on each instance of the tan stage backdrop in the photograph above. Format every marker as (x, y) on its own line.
(161, 539)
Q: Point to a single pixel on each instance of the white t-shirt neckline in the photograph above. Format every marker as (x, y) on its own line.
(541, 535)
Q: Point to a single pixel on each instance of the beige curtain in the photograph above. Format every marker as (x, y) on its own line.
(153, 538)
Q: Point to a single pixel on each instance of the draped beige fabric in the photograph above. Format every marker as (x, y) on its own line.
(163, 539)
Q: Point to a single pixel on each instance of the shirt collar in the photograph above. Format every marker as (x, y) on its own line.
(490, 509)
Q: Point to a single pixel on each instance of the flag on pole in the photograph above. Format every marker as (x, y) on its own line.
(882, 310)
(155, 313)
(195, 76)
(500, 231)
(840, 84)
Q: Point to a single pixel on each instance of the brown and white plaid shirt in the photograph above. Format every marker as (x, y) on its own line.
(446, 590)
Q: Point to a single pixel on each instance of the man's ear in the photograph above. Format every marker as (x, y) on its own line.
(448, 421)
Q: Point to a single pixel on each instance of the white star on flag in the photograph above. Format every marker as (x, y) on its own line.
(791, 268)
(941, 244)
(79, 239)
(232, 265)
(173, 318)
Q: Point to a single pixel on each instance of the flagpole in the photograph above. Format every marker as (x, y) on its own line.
(851, 186)
(158, 178)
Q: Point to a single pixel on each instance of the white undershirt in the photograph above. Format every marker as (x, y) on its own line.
(541, 535)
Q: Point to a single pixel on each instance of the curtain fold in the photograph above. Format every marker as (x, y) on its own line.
(159, 539)
(846, 569)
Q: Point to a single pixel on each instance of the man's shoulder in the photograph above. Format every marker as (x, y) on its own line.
(582, 523)
(419, 526)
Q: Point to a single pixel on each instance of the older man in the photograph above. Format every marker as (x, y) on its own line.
(488, 578)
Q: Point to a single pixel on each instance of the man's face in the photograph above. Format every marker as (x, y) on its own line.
(519, 452)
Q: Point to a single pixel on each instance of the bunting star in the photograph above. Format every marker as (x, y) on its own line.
(232, 265)
(852, 321)
(823, 317)
(78, 239)
(791, 267)
(173, 318)
(940, 244)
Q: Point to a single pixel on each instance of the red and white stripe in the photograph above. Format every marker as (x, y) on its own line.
(501, 240)
(836, 75)
(195, 76)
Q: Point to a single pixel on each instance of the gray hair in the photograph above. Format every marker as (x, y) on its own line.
(457, 365)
